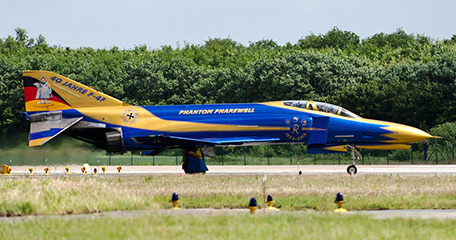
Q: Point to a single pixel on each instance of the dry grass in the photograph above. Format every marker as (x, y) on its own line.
(69, 195)
(22, 196)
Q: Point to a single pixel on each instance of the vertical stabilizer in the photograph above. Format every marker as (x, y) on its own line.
(48, 91)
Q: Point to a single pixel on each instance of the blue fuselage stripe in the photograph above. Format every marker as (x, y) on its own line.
(298, 124)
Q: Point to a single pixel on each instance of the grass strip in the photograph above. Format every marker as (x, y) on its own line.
(67, 195)
(238, 226)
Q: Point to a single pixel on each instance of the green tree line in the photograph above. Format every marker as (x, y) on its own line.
(399, 77)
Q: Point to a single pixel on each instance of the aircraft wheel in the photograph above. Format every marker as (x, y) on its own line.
(352, 170)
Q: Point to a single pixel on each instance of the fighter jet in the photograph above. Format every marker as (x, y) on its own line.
(55, 104)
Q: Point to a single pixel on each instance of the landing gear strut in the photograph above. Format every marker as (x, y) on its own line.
(356, 155)
(194, 161)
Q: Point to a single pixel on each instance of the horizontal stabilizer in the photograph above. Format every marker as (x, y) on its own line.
(45, 126)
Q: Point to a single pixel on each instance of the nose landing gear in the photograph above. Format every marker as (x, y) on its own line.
(356, 155)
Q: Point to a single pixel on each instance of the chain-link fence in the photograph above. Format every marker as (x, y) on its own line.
(439, 152)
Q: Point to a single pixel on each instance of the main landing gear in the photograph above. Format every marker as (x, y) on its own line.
(194, 161)
(356, 155)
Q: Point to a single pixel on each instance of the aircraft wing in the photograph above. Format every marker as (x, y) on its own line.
(230, 140)
(177, 140)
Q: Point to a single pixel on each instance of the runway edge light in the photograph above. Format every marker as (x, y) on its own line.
(31, 170)
(339, 201)
(270, 202)
(253, 205)
(103, 168)
(46, 171)
(67, 170)
(175, 201)
(119, 169)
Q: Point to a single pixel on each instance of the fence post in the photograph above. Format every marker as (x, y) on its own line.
(315, 159)
(131, 158)
(175, 153)
(109, 163)
(436, 152)
(245, 152)
(387, 160)
(362, 159)
(291, 154)
(153, 160)
(411, 156)
(338, 158)
(452, 143)
(267, 152)
(222, 156)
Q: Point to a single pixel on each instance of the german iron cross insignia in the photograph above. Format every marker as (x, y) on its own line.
(130, 116)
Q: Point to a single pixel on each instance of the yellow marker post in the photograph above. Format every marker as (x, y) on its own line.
(175, 201)
(339, 201)
(103, 168)
(119, 169)
(31, 170)
(46, 171)
(253, 205)
(270, 203)
(67, 170)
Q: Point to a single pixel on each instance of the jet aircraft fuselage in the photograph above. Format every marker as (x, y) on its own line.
(56, 104)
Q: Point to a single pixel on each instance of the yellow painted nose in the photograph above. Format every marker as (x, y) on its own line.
(405, 134)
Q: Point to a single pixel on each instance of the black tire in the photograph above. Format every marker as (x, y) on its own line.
(352, 169)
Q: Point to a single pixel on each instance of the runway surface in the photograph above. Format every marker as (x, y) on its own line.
(249, 169)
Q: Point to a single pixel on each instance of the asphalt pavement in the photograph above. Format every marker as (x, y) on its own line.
(244, 169)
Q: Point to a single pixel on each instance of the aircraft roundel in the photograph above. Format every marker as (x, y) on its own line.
(130, 116)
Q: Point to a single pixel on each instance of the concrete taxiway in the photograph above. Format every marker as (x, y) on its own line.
(248, 169)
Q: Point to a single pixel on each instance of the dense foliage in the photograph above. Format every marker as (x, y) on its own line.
(399, 77)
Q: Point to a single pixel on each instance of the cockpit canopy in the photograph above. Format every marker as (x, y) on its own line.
(322, 107)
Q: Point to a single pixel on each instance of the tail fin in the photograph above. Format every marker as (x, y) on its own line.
(48, 91)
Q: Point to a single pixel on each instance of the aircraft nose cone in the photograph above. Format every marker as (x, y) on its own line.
(405, 134)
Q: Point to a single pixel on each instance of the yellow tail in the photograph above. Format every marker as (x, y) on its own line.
(48, 91)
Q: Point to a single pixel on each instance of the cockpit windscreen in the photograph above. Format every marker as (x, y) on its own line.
(322, 107)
